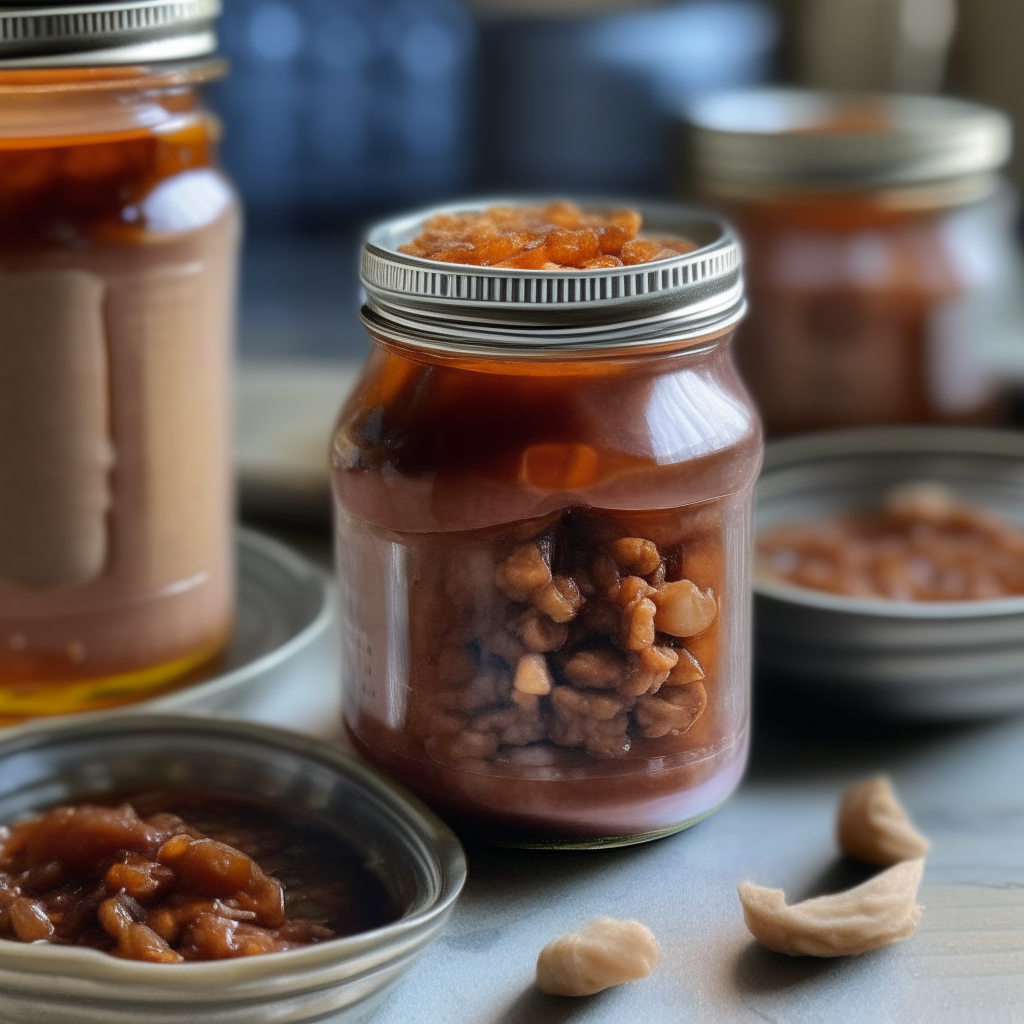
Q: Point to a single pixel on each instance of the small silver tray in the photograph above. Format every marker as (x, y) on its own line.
(282, 629)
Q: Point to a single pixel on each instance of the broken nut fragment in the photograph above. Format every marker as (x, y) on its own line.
(672, 713)
(873, 827)
(605, 952)
(648, 670)
(539, 633)
(687, 670)
(532, 675)
(559, 600)
(877, 913)
(683, 608)
(925, 500)
(636, 556)
(638, 627)
(524, 571)
(601, 668)
(598, 706)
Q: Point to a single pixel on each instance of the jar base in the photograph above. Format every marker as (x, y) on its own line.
(566, 814)
(588, 843)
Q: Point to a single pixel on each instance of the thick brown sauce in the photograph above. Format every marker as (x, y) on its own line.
(175, 875)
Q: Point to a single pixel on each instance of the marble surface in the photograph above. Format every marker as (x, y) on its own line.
(963, 786)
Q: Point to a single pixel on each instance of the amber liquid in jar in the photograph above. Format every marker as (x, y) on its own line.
(861, 313)
(118, 239)
(521, 545)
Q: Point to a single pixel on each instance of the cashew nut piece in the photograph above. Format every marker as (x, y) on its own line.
(881, 911)
(603, 953)
(683, 609)
(872, 826)
(532, 675)
(921, 499)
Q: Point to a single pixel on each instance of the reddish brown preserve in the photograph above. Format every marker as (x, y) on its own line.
(922, 545)
(575, 589)
(140, 881)
(559, 236)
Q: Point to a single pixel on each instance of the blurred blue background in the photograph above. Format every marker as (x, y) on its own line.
(337, 111)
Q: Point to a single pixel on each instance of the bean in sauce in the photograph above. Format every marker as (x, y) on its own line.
(172, 876)
(923, 544)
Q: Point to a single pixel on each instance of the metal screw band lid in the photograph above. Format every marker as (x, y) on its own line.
(490, 309)
(132, 32)
(836, 142)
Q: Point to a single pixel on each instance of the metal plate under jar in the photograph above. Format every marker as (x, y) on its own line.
(937, 660)
(282, 626)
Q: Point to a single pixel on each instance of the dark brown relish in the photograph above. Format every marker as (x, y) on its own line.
(169, 876)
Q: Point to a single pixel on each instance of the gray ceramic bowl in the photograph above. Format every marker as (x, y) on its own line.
(415, 855)
(940, 660)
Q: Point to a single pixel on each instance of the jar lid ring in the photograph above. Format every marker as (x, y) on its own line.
(96, 34)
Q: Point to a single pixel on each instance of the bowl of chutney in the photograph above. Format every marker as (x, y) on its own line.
(890, 574)
(159, 868)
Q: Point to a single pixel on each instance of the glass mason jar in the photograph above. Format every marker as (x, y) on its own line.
(118, 251)
(879, 252)
(543, 485)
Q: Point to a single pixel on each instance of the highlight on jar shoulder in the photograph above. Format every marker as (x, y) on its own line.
(118, 251)
(543, 486)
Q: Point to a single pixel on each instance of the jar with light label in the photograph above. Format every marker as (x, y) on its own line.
(543, 484)
(118, 241)
(880, 254)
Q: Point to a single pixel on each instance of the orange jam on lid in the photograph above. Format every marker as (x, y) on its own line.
(559, 236)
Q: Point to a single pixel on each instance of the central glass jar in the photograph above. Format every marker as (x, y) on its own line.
(543, 484)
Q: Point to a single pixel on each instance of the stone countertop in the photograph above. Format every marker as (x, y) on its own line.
(964, 787)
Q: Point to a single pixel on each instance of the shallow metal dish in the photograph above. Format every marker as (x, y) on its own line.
(940, 660)
(416, 856)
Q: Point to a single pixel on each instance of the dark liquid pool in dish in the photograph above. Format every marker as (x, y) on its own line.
(175, 875)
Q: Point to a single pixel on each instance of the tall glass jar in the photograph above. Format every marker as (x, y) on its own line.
(880, 253)
(543, 486)
(118, 241)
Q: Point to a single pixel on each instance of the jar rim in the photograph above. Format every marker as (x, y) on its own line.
(25, 81)
(827, 142)
(108, 32)
(500, 311)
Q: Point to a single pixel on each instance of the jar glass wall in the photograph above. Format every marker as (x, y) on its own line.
(118, 240)
(880, 253)
(545, 569)
(862, 313)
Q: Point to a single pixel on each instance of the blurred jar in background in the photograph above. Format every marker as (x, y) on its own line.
(879, 251)
(588, 104)
(870, 45)
(118, 238)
